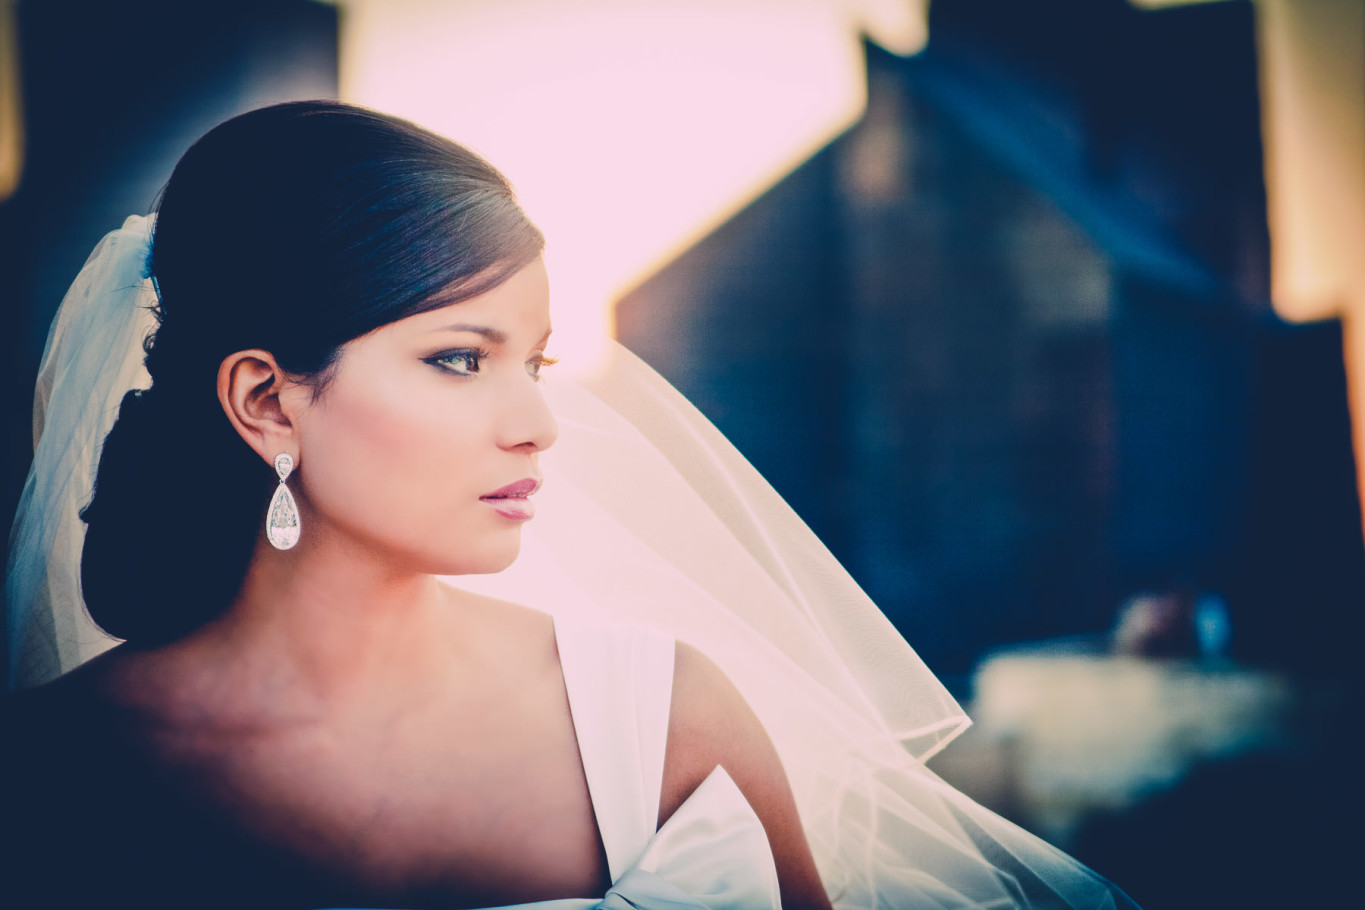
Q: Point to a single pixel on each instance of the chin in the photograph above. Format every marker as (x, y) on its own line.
(487, 560)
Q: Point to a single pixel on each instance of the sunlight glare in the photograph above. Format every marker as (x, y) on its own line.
(628, 129)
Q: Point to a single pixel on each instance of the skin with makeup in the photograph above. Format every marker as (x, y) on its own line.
(356, 731)
(284, 424)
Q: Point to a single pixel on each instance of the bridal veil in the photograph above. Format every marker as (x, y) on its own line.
(648, 516)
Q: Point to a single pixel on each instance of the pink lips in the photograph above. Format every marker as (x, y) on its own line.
(511, 501)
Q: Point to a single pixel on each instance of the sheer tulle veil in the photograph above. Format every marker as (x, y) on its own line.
(92, 358)
(648, 516)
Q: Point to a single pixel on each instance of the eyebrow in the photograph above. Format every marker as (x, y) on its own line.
(495, 336)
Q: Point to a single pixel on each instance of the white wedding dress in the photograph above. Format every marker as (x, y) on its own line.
(712, 851)
(648, 518)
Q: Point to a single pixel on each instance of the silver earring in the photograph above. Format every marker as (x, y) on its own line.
(282, 518)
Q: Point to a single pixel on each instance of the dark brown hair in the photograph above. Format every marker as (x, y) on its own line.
(294, 229)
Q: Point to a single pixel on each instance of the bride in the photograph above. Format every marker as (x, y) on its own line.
(346, 407)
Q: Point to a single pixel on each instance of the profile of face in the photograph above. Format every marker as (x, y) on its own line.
(422, 447)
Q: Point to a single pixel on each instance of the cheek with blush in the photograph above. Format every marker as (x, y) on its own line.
(381, 470)
(355, 451)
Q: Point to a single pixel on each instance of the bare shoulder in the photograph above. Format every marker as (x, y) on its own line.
(710, 724)
(502, 613)
(77, 710)
(105, 682)
(504, 629)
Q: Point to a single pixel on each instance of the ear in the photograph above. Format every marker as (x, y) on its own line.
(250, 387)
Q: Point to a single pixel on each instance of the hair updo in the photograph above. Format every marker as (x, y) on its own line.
(294, 229)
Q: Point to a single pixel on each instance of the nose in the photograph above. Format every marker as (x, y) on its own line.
(528, 422)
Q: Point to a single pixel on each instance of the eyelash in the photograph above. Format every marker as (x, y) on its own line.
(537, 363)
(472, 357)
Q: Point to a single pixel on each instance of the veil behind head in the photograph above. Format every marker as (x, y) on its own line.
(648, 516)
(92, 358)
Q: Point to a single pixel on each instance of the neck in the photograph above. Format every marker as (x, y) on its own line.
(328, 615)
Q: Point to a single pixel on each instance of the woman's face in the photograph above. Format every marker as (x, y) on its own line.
(423, 447)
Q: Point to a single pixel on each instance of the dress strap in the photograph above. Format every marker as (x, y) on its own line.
(619, 679)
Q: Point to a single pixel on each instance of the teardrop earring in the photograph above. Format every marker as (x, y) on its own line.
(282, 518)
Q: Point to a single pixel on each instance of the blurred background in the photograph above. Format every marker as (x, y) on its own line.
(1035, 311)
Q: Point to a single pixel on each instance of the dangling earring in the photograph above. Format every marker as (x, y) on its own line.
(282, 518)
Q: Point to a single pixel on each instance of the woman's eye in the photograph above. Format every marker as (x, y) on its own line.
(461, 363)
(537, 362)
